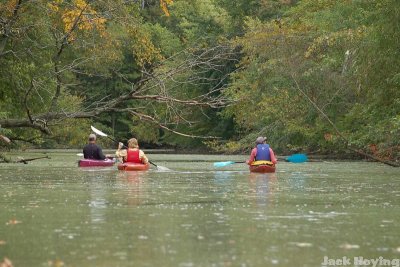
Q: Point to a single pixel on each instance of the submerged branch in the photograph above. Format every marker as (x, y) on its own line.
(20, 160)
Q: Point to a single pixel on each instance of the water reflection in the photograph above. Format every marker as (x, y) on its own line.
(223, 182)
(133, 184)
(263, 186)
(98, 202)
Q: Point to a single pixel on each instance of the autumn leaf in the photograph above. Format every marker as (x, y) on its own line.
(13, 222)
(6, 263)
(55, 263)
(164, 6)
(78, 16)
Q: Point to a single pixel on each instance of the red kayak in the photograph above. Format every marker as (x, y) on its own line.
(262, 166)
(130, 166)
(95, 163)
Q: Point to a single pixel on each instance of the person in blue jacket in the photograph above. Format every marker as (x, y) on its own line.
(262, 151)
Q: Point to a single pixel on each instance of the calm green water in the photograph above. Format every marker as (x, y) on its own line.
(56, 214)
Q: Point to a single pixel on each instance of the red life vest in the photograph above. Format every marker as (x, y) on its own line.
(133, 156)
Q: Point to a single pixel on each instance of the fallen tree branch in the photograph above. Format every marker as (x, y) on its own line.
(25, 161)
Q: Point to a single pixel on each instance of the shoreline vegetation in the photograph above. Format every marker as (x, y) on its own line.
(314, 77)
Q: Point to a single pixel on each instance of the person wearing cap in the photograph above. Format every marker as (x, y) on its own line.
(92, 150)
(262, 151)
(132, 153)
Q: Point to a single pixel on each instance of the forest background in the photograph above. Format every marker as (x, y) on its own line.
(316, 76)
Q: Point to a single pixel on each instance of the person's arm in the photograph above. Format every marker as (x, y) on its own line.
(143, 157)
(120, 153)
(272, 156)
(252, 156)
(85, 154)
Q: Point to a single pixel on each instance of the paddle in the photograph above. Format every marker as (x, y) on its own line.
(297, 158)
(5, 139)
(98, 132)
(226, 163)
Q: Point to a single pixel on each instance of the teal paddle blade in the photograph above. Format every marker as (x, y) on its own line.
(297, 158)
(223, 163)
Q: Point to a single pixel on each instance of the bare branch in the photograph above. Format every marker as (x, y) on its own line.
(56, 58)
(146, 117)
(7, 25)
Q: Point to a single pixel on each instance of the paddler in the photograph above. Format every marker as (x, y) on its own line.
(92, 150)
(132, 153)
(262, 151)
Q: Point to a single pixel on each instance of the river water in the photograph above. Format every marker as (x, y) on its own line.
(56, 214)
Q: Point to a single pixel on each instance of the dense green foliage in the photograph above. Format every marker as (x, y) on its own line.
(343, 55)
(289, 59)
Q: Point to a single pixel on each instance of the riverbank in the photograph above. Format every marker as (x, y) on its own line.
(281, 158)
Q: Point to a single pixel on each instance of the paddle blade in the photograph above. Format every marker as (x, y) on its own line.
(297, 158)
(98, 132)
(223, 163)
(163, 169)
(5, 138)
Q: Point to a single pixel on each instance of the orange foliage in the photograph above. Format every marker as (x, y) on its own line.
(7, 9)
(328, 136)
(164, 6)
(143, 49)
(79, 15)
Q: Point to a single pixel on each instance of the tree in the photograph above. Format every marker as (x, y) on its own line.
(61, 47)
(329, 50)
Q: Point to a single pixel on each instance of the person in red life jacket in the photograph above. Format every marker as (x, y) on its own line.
(132, 153)
(262, 151)
(93, 151)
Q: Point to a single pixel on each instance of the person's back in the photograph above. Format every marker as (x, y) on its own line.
(262, 151)
(93, 151)
(132, 154)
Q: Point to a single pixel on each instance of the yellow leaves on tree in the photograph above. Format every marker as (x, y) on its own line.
(78, 15)
(7, 9)
(164, 6)
(143, 49)
(321, 44)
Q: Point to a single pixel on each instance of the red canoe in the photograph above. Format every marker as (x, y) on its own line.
(262, 166)
(95, 163)
(130, 166)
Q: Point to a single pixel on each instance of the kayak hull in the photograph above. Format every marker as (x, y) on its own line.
(262, 166)
(130, 166)
(95, 163)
